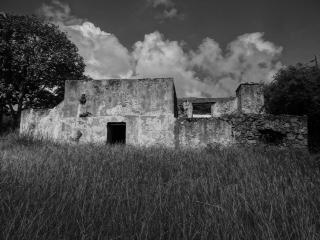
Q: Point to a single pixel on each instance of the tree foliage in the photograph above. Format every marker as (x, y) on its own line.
(295, 91)
(35, 60)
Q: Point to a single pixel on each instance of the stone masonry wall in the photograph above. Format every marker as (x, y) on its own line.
(281, 130)
(224, 107)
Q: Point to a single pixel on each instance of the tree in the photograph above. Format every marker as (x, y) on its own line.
(295, 90)
(35, 59)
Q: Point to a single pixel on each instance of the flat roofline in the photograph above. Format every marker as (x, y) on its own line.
(247, 83)
(124, 79)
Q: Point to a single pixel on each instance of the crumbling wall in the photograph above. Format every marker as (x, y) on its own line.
(41, 122)
(183, 109)
(280, 130)
(246, 129)
(187, 109)
(199, 132)
(148, 107)
(145, 105)
(224, 107)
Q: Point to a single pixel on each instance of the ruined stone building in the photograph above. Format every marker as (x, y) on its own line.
(147, 112)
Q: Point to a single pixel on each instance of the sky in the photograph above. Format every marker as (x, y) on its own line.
(209, 47)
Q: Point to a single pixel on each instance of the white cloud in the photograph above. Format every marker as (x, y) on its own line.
(249, 58)
(171, 13)
(104, 55)
(156, 57)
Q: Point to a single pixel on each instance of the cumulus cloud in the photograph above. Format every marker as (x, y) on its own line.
(249, 58)
(203, 72)
(104, 55)
(156, 57)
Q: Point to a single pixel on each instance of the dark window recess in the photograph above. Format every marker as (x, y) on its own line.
(202, 108)
(272, 137)
(116, 132)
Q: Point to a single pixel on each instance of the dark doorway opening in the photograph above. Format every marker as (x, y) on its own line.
(116, 132)
(271, 137)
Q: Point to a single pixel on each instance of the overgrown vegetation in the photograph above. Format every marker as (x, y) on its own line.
(52, 191)
(295, 90)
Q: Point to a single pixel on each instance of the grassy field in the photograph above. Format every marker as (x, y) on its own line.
(51, 191)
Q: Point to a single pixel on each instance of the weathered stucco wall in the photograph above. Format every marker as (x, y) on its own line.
(224, 107)
(250, 98)
(41, 122)
(150, 97)
(187, 109)
(145, 105)
(199, 132)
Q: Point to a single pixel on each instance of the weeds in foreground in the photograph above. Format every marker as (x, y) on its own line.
(52, 191)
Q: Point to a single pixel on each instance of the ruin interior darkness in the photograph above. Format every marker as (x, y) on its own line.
(116, 132)
(202, 108)
(272, 137)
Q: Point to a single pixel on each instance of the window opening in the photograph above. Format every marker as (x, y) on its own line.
(202, 108)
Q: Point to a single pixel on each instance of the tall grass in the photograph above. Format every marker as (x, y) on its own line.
(52, 191)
